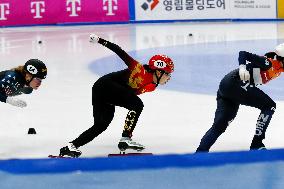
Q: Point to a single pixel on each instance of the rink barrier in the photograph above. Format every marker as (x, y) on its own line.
(36, 166)
(66, 12)
(213, 9)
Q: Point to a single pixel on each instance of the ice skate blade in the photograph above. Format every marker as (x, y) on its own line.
(129, 154)
(60, 157)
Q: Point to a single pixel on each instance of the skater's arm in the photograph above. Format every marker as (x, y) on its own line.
(26, 90)
(116, 49)
(11, 100)
(10, 86)
(253, 60)
(270, 55)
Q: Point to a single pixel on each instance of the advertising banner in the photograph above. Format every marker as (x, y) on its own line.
(33, 12)
(204, 9)
(95, 11)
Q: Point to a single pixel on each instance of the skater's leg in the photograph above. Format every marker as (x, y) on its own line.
(225, 113)
(261, 127)
(127, 99)
(244, 94)
(103, 115)
(135, 107)
(258, 99)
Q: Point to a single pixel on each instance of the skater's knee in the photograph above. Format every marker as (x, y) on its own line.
(101, 129)
(140, 105)
(269, 108)
(221, 125)
(137, 106)
(99, 126)
(104, 119)
(220, 129)
(272, 106)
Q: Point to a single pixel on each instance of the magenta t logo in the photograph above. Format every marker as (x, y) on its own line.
(73, 6)
(110, 6)
(4, 10)
(37, 7)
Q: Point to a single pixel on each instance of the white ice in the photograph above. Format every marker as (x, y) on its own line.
(171, 122)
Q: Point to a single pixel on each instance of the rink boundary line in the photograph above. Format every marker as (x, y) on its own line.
(35, 166)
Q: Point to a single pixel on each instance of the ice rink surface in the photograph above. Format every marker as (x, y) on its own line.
(175, 116)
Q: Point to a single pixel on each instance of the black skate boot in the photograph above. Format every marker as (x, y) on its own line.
(257, 145)
(70, 150)
(127, 143)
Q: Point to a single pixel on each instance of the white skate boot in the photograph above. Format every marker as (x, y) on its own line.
(127, 143)
(70, 150)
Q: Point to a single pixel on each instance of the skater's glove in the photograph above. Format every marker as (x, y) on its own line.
(244, 74)
(16, 102)
(94, 38)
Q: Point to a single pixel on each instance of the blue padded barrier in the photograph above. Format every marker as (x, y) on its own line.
(24, 166)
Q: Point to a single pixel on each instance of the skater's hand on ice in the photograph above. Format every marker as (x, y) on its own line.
(16, 102)
(244, 74)
(94, 38)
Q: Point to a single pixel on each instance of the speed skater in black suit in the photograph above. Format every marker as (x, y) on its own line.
(240, 87)
(121, 88)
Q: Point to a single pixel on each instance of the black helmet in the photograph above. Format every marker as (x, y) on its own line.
(36, 68)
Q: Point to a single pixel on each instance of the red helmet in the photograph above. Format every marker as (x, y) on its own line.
(161, 62)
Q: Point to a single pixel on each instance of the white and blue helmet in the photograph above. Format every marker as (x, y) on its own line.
(279, 50)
